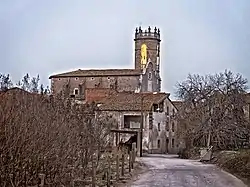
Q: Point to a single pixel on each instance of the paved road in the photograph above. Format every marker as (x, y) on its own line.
(171, 171)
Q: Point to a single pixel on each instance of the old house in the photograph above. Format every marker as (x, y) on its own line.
(154, 108)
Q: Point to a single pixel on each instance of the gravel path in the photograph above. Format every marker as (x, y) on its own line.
(170, 171)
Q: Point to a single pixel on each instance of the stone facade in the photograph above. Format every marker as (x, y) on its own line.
(119, 83)
(159, 124)
(140, 79)
(163, 133)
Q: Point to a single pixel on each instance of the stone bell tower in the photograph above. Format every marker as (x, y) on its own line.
(147, 58)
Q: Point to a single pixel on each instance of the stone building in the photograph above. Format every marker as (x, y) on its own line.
(129, 95)
(144, 77)
(129, 108)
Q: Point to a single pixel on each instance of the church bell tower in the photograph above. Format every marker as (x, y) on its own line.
(147, 58)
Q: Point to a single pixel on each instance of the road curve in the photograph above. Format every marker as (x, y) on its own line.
(170, 171)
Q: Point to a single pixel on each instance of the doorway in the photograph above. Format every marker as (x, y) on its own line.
(167, 142)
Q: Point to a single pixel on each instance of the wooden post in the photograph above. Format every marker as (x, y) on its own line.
(122, 164)
(129, 161)
(133, 154)
(117, 166)
(93, 172)
(109, 172)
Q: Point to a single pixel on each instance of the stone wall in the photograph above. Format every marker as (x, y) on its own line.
(163, 137)
(153, 48)
(163, 132)
(120, 83)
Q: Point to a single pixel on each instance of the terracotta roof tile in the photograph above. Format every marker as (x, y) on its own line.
(177, 104)
(98, 72)
(130, 101)
(98, 94)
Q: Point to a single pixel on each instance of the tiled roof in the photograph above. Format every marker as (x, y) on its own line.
(98, 72)
(19, 93)
(130, 101)
(177, 104)
(98, 94)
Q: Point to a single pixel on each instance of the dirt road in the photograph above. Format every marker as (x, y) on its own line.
(171, 171)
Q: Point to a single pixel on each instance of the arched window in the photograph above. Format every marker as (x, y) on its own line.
(149, 76)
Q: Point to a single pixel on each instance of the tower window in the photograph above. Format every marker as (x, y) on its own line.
(149, 75)
(159, 127)
(158, 50)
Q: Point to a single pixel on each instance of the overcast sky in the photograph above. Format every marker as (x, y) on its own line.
(52, 36)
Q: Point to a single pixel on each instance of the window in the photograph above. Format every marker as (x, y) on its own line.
(173, 143)
(108, 78)
(158, 50)
(161, 105)
(167, 125)
(92, 78)
(76, 78)
(159, 126)
(155, 108)
(150, 118)
(173, 112)
(159, 144)
(76, 91)
(149, 75)
(167, 110)
(172, 126)
(59, 79)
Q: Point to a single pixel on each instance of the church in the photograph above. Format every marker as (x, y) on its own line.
(144, 77)
(128, 94)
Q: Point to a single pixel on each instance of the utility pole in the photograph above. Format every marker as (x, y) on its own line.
(141, 126)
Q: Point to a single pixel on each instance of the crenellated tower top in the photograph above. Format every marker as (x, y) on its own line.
(147, 34)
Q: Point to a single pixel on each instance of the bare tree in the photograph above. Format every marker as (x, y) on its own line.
(5, 82)
(213, 110)
(48, 135)
(34, 84)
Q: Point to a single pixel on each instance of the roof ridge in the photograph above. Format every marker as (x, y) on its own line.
(98, 72)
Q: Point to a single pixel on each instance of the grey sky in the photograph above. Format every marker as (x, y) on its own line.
(51, 36)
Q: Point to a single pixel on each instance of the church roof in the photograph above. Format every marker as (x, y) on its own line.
(98, 73)
(130, 101)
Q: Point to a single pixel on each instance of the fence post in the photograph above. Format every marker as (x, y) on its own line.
(133, 154)
(122, 163)
(108, 173)
(93, 171)
(117, 166)
(129, 161)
